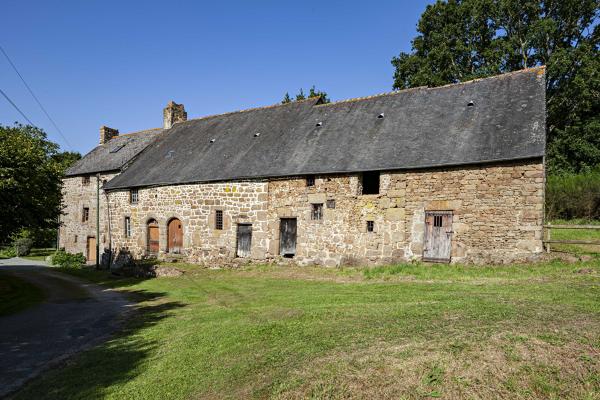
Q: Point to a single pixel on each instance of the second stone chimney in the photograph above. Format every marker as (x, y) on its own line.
(172, 114)
(107, 133)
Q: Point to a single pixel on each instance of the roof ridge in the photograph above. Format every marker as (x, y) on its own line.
(252, 109)
(140, 131)
(427, 88)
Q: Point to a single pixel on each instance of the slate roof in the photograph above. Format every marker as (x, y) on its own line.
(101, 159)
(420, 128)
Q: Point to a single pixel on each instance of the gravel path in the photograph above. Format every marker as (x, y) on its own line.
(75, 315)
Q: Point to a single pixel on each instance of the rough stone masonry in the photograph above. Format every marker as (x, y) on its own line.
(365, 181)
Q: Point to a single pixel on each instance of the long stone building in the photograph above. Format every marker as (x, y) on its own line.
(448, 174)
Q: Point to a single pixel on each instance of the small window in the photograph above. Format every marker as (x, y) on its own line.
(310, 180)
(75, 239)
(219, 219)
(370, 182)
(117, 148)
(317, 212)
(437, 221)
(85, 215)
(85, 180)
(127, 227)
(331, 203)
(370, 226)
(134, 196)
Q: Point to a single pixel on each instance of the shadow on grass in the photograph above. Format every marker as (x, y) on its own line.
(96, 372)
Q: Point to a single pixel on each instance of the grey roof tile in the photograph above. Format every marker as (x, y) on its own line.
(420, 128)
(114, 154)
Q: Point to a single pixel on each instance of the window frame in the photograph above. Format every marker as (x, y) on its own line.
(316, 212)
(134, 196)
(127, 226)
(219, 220)
(85, 214)
(85, 180)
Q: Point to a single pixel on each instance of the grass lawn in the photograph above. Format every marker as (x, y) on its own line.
(406, 331)
(39, 254)
(17, 294)
(576, 234)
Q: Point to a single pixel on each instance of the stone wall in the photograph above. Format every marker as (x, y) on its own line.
(74, 232)
(497, 215)
(195, 206)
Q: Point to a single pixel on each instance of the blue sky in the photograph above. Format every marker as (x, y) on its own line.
(118, 63)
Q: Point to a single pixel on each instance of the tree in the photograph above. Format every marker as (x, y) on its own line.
(286, 98)
(312, 93)
(31, 168)
(300, 95)
(459, 40)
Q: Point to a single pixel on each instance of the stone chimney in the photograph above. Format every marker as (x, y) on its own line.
(172, 114)
(107, 133)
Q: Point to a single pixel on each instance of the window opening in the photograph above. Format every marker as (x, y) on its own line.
(317, 212)
(370, 226)
(219, 219)
(370, 182)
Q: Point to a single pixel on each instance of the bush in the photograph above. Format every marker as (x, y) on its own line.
(8, 252)
(68, 260)
(22, 246)
(573, 196)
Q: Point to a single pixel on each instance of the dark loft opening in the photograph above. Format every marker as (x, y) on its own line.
(310, 180)
(370, 182)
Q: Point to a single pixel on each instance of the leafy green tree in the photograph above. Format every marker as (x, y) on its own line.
(286, 98)
(312, 93)
(317, 93)
(300, 95)
(31, 168)
(459, 40)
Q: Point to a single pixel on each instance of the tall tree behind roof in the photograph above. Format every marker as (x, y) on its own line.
(459, 40)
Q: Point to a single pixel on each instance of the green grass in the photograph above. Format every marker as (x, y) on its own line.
(407, 331)
(39, 254)
(576, 234)
(17, 294)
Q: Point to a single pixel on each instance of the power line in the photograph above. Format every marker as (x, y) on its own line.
(35, 98)
(16, 108)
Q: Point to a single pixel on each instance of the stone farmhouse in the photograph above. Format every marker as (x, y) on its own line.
(447, 174)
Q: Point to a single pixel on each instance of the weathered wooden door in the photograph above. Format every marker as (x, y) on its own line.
(244, 240)
(438, 236)
(175, 236)
(287, 237)
(91, 249)
(153, 237)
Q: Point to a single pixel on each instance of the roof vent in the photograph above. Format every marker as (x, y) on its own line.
(471, 103)
(257, 134)
(381, 115)
(319, 124)
(170, 154)
(212, 140)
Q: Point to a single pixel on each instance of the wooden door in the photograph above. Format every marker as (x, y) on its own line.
(287, 237)
(244, 240)
(153, 237)
(175, 236)
(91, 249)
(438, 236)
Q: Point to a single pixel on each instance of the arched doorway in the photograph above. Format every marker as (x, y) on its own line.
(153, 237)
(174, 236)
